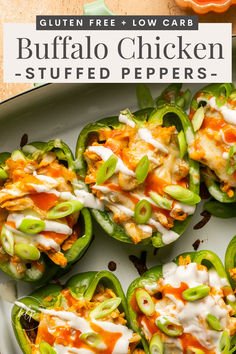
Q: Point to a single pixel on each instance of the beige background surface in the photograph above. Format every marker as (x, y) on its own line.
(26, 10)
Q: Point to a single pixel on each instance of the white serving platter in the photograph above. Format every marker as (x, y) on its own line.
(61, 111)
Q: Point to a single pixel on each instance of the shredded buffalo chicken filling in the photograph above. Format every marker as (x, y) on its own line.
(57, 332)
(19, 194)
(123, 189)
(212, 144)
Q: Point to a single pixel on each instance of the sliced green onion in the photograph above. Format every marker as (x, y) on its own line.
(192, 350)
(46, 348)
(17, 155)
(156, 345)
(107, 169)
(3, 174)
(142, 168)
(213, 322)
(32, 226)
(182, 144)
(26, 251)
(230, 169)
(198, 118)
(196, 293)
(142, 211)
(182, 194)
(180, 102)
(233, 95)
(161, 201)
(184, 100)
(233, 350)
(92, 339)
(105, 308)
(169, 325)
(7, 241)
(224, 345)
(144, 96)
(222, 94)
(62, 210)
(145, 302)
(96, 8)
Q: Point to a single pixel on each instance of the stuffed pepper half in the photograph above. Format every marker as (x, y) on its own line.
(89, 315)
(213, 115)
(230, 261)
(186, 306)
(42, 223)
(144, 185)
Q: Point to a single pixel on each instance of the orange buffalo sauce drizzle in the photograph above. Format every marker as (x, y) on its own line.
(61, 335)
(11, 224)
(44, 201)
(177, 292)
(58, 238)
(67, 336)
(186, 339)
(153, 183)
(208, 2)
(110, 339)
(217, 124)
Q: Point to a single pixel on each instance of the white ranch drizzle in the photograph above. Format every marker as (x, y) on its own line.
(88, 199)
(44, 178)
(40, 188)
(145, 228)
(225, 155)
(146, 136)
(105, 153)
(47, 242)
(168, 236)
(228, 114)
(15, 192)
(53, 226)
(189, 314)
(124, 119)
(231, 298)
(188, 209)
(82, 325)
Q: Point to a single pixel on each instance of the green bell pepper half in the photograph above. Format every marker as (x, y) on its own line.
(220, 210)
(206, 258)
(230, 260)
(82, 285)
(167, 115)
(211, 183)
(64, 155)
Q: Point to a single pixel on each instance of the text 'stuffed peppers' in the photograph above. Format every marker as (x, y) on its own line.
(44, 226)
(88, 314)
(184, 306)
(140, 183)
